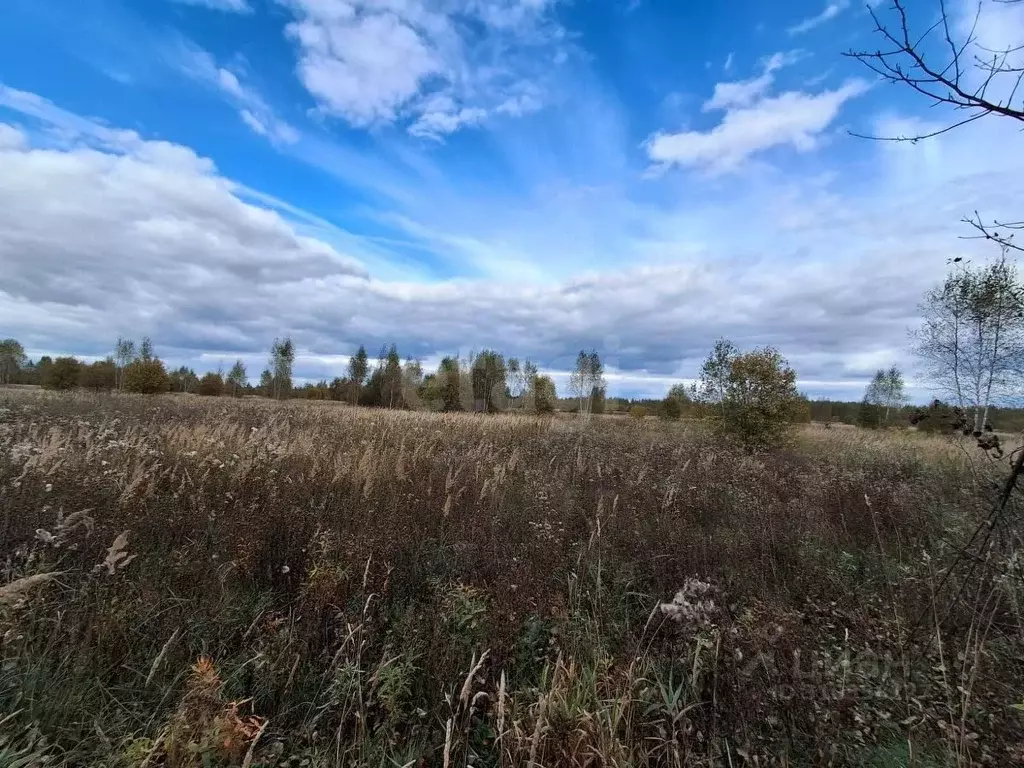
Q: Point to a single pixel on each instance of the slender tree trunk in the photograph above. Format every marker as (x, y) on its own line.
(980, 365)
(956, 360)
(994, 359)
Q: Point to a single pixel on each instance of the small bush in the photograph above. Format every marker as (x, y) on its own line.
(319, 391)
(101, 376)
(211, 385)
(869, 416)
(677, 399)
(638, 412)
(753, 395)
(939, 417)
(544, 395)
(62, 374)
(671, 409)
(146, 377)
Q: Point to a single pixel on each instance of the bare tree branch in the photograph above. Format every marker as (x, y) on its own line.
(959, 78)
(999, 232)
(920, 137)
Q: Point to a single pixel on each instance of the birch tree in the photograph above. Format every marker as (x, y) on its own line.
(489, 381)
(124, 354)
(885, 393)
(971, 340)
(358, 368)
(282, 358)
(146, 353)
(529, 375)
(237, 378)
(514, 375)
(586, 379)
(412, 382)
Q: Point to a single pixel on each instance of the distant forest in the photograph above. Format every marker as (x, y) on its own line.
(520, 384)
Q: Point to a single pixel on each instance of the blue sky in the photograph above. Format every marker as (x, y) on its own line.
(638, 176)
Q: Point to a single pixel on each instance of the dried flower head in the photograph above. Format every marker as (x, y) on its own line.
(693, 605)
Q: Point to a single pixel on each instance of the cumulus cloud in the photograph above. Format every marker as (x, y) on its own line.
(396, 60)
(120, 232)
(11, 137)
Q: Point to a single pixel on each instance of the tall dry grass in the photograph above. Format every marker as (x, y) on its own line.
(212, 582)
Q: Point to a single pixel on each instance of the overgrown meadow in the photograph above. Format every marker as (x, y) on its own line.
(212, 582)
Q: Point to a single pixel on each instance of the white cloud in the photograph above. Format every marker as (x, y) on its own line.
(436, 124)
(385, 61)
(831, 10)
(793, 118)
(252, 107)
(442, 116)
(998, 29)
(745, 92)
(738, 94)
(232, 6)
(11, 137)
(136, 229)
(365, 68)
(228, 81)
(728, 62)
(781, 59)
(253, 122)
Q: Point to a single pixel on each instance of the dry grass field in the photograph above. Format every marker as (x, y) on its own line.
(208, 582)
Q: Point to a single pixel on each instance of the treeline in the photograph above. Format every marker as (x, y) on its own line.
(750, 396)
(855, 413)
(485, 381)
(65, 373)
(131, 368)
(482, 382)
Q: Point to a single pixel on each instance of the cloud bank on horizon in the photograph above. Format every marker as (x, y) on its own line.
(534, 176)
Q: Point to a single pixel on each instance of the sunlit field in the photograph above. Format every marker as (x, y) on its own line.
(207, 581)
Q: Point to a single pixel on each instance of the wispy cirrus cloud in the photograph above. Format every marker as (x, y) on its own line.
(231, 6)
(741, 93)
(252, 107)
(831, 11)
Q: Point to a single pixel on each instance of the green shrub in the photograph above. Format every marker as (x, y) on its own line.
(146, 377)
(62, 374)
(544, 395)
(638, 412)
(752, 395)
(671, 409)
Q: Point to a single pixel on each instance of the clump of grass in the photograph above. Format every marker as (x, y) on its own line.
(205, 727)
